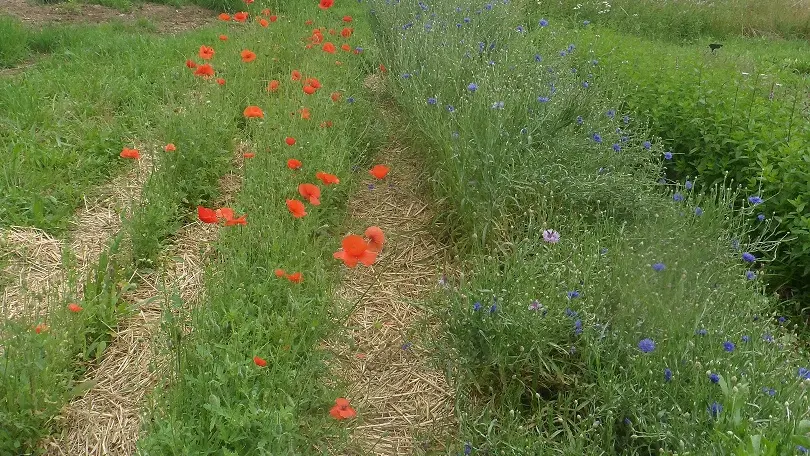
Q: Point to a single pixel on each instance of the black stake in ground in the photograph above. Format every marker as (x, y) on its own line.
(715, 46)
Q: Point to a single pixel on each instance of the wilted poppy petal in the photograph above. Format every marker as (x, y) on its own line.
(377, 238)
(207, 215)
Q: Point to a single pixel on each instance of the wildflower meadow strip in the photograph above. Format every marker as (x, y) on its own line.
(251, 375)
(599, 312)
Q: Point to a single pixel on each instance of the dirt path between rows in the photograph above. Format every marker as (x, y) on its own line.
(168, 19)
(404, 405)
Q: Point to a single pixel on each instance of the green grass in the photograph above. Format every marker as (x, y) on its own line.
(566, 375)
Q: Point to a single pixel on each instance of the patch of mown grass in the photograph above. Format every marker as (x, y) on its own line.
(598, 312)
(216, 399)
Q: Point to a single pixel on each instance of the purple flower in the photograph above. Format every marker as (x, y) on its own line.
(767, 337)
(754, 200)
(406, 76)
(476, 306)
(573, 294)
(698, 211)
(714, 377)
(728, 346)
(472, 87)
(667, 374)
(647, 145)
(493, 308)
(520, 29)
(701, 332)
(746, 339)
(688, 185)
(585, 84)
(431, 101)
(658, 267)
(580, 121)
(761, 217)
(611, 113)
(625, 119)
(407, 345)
(646, 345)
(750, 275)
(668, 155)
(715, 409)
(578, 327)
(543, 23)
(551, 236)
(769, 391)
(804, 373)
(450, 108)
(467, 448)
(586, 22)
(617, 148)
(677, 197)
(538, 58)
(543, 99)
(597, 138)
(749, 257)
(350, 100)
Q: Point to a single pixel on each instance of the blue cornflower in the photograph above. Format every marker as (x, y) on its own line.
(627, 421)
(586, 22)
(603, 251)
(658, 267)
(520, 29)
(542, 99)
(715, 409)
(668, 155)
(431, 101)
(406, 76)
(698, 211)
(735, 244)
(611, 113)
(597, 138)
(573, 294)
(578, 327)
(450, 108)
(647, 145)
(571, 48)
(677, 197)
(729, 346)
(580, 120)
(746, 339)
(617, 148)
(563, 53)
(749, 257)
(407, 26)
(350, 100)
(702, 332)
(767, 337)
(571, 313)
(595, 62)
(626, 119)
(488, 7)
(714, 377)
(407, 345)
(585, 84)
(804, 373)
(472, 87)
(358, 50)
(769, 391)
(754, 200)
(802, 449)
(428, 27)
(493, 308)
(781, 320)
(761, 217)
(477, 306)
(750, 275)
(667, 374)
(467, 448)
(688, 185)
(467, 20)
(646, 345)
(538, 58)
(543, 23)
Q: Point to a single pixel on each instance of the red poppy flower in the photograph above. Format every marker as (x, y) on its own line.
(329, 47)
(248, 56)
(377, 238)
(346, 32)
(310, 192)
(206, 52)
(170, 147)
(207, 215)
(296, 208)
(347, 18)
(355, 249)
(248, 2)
(332, 31)
(75, 308)
(294, 163)
(326, 4)
(309, 90)
(205, 70)
(240, 16)
(227, 214)
(342, 410)
(191, 64)
(290, 141)
(130, 153)
(220, 81)
(254, 111)
(273, 18)
(305, 114)
(308, 22)
(314, 82)
(379, 171)
(335, 96)
(316, 38)
(326, 178)
(40, 328)
(263, 22)
(248, 155)
(382, 68)
(259, 361)
(295, 75)
(279, 273)
(346, 47)
(273, 85)
(224, 17)
(295, 277)
(266, 11)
